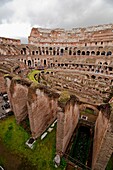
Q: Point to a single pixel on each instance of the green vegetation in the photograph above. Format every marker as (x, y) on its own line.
(2, 161)
(14, 138)
(64, 96)
(32, 74)
(81, 145)
(90, 111)
(110, 164)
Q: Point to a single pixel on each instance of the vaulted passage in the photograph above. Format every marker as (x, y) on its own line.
(80, 151)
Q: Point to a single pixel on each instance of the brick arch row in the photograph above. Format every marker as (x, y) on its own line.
(63, 51)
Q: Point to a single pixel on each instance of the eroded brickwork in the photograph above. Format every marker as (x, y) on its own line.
(103, 141)
(42, 109)
(67, 120)
(18, 94)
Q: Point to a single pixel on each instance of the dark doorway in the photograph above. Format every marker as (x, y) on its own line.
(29, 63)
(44, 62)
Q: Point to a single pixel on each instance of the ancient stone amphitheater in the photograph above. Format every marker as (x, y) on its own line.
(75, 73)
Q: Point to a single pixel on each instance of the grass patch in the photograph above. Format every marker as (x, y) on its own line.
(2, 161)
(110, 163)
(32, 74)
(14, 138)
(64, 96)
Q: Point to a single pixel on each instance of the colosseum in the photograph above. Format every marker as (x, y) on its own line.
(73, 85)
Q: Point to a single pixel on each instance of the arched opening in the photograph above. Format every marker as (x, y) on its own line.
(100, 63)
(100, 78)
(24, 50)
(93, 77)
(54, 52)
(33, 52)
(78, 52)
(92, 52)
(105, 63)
(43, 52)
(109, 53)
(74, 53)
(103, 53)
(24, 61)
(98, 53)
(21, 51)
(40, 52)
(110, 69)
(29, 63)
(37, 52)
(87, 52)
(50, 48)
(44, 62)
(57, 51)
(86, 76)
(46, 52)
(106, 79)
(61, 51)
(83, 52)
(70, 52)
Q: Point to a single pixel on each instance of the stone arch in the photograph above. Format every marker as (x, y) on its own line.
(37, 52)
(98, 53)
(21, 51)
(33, 52)
(54, 51)
(93, 76)
(87, 52)
(45, 62)
(57, 50)
(61, 51)
(43, 50)
(29, 63)
(83, 52)
(109, 53)
(99, 62)
(87, 76)
(78, 52)
(99, 78)
(70, 51)
(103, 53)
(50, 48)
(105, 63)
(25, 62)
(74, 51)
(85, 106)
(92, 52)
(47, 52)
(106, 79)
(24, 51)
